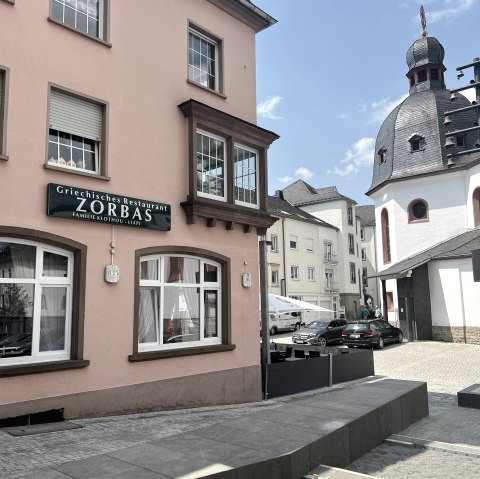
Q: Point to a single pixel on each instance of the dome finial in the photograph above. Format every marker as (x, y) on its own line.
(423, 19)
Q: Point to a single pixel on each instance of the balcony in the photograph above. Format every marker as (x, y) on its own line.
(330, 258)
(331, 287)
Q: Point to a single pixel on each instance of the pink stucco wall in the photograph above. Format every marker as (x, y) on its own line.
(143, 79)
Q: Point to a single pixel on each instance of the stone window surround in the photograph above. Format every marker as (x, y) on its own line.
(203, 117)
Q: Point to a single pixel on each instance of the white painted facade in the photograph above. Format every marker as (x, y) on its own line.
(306, 260)
(368, 252)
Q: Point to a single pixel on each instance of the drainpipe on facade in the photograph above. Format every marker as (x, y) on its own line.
(265, 359)
(284, 292)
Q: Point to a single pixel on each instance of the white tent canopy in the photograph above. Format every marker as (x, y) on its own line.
(282, 304)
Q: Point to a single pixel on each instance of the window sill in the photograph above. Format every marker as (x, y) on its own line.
(198, 85)
(421, 220)
(86, 35)
(3, 157)
(175, 353)
(75, 172)
(35, 368)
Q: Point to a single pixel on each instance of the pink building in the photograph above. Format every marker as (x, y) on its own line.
(133, 190)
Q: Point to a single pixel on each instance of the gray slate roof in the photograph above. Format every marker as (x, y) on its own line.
(301, 193)
(421, 113)
(425, 50)
(461, 245)
(366, 214)
(283, 209)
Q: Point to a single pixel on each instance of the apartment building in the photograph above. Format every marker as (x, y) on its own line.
(133, 184)
(338, 210)
(370, 284)
(302, 258)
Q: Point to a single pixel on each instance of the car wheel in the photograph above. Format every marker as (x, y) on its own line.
(297, 326)
(381, 343)
(273, 330)
(400, 337)
(322, 341)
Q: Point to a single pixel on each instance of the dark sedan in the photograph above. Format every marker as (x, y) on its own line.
(321, 332)
(374, 333)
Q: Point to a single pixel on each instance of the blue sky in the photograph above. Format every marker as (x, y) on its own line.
(329, 72)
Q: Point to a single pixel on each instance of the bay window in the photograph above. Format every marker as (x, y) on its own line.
(182, 302)
(227, 169)
(35, 302)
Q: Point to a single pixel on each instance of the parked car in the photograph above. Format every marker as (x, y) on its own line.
(16, 345)
(321, 332)
(278, 323)
(372, 333)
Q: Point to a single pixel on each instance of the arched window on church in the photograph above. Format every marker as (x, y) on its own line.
(417, 211)
(476, 206)
(385, 237)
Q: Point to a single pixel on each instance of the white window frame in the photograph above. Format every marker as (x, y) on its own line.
(293, 239)
(225, 172)
(202, 285)
(295, 273)
(274, 245)
(257, 192)
(311, 273)
(212, 41)
(350, 215)
(310, 245)
(274, 277)
(329, 278)
(353, 273)
(351, 243)
(364, 254)
(75, 114)
(101, 18)
(365, 277)
(362, 234)
(39, 283)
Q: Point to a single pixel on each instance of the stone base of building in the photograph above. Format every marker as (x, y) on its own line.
(468, 335)
(231, 386)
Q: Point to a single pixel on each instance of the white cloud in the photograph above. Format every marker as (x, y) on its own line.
(380, 109)
(360, 155)
(304, 173)
(285, 179)
(267, 108)
(343, 116)
(453, 9)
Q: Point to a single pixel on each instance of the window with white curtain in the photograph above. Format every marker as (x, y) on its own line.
(35, 302)
(179, 302)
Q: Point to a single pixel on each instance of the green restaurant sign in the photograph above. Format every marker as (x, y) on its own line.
(89, 205)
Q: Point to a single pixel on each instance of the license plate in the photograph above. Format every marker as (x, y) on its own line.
(355, 336)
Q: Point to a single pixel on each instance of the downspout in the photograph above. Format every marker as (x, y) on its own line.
(284, 292)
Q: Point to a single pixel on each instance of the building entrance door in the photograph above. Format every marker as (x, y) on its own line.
(407, 318)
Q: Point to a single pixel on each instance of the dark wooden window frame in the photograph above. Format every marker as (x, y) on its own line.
(78, 301)
(235, 131)
(386, 237)
(226, 304)
(417, 143)
(476, 207)
(390, 303)
(4, 72)
(411, 217)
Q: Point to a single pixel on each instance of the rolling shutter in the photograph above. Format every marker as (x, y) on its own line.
(76, 116)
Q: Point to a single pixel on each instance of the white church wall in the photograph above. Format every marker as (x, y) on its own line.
(455, 301)
(472, 181)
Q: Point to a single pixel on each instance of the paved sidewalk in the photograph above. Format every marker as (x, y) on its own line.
(447, 368)
(450, 434)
